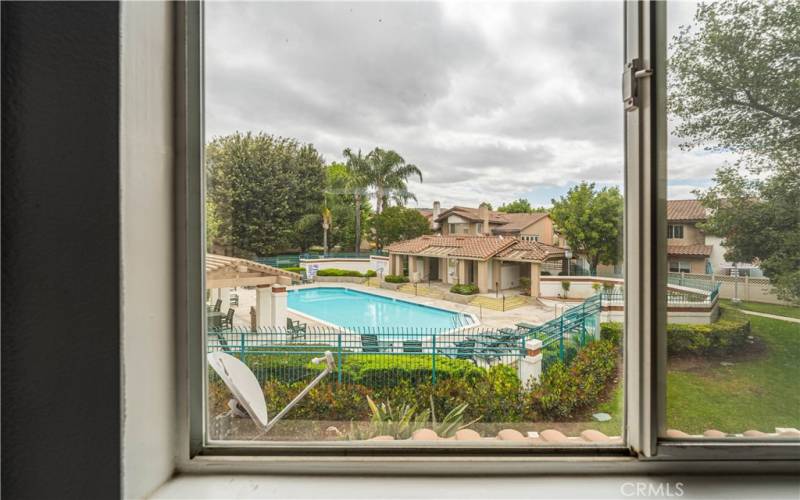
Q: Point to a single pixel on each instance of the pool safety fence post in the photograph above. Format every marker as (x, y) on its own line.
(241, 350)
(433, 359)
(339, 358)
(561, 339)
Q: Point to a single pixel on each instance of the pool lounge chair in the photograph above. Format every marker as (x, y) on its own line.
(412, 346)
(369, 343)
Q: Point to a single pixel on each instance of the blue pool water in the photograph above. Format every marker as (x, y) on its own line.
(351, 308)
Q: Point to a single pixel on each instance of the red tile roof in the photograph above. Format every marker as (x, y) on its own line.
(477, 247)
(685, 210)
(697, 250)
(503, 222)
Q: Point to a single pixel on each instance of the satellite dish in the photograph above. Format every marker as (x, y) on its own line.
(243, 385)
(247, 391)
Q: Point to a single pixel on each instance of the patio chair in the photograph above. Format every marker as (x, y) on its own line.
(234, 299)
(227, 320)
(295, 329)
(464, 349)
(304, 279)
(218, 305)
(412, 346)
(222, 342)
(369, 343)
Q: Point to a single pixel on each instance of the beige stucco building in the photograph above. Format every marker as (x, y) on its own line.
(492, 262)
(686, 243)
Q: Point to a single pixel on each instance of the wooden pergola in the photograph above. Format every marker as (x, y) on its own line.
(230, 272)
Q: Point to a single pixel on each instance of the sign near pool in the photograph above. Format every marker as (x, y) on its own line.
(350, 308)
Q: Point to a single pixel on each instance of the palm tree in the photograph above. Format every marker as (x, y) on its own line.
(357, 182)
(327, 219)
(388, 173)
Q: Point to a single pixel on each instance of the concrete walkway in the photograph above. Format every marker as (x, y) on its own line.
(771, 316)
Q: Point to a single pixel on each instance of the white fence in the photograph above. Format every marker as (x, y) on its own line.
(745, 287)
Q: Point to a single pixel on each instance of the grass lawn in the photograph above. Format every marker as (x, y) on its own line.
(780, 310)
(758, 393)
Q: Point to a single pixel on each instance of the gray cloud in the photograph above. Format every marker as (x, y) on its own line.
(490, 100)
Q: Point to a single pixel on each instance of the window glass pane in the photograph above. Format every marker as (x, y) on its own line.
(429, 192)
(733, 333)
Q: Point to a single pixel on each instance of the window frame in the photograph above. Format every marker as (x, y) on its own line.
(671, 230)
(645, 315)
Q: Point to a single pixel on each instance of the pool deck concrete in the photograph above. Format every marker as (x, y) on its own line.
(533, 313)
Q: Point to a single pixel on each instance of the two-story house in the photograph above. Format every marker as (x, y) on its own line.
(458, 221)
(687, 250)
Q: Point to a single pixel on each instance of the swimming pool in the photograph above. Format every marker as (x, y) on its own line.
(351, 308)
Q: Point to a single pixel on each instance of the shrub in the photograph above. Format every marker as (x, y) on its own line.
(294, 269)
(394, 278)
(565, 286)
(370, 273)
(525, 283)
(611, 331)
(545, 273)
(723, 337)
(339, 272)
(465, 289)
(566, 392)
(608, 286)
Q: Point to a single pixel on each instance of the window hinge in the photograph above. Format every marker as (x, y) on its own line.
(634, 71)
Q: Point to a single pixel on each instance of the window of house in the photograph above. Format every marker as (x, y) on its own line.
(679, 266)
(306, 347)
(479, 228)
(675, 231)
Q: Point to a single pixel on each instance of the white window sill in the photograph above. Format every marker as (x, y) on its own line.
(572, 487)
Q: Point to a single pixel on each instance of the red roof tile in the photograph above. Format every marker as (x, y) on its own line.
(686, 210)
(477, 247)
(699, 250)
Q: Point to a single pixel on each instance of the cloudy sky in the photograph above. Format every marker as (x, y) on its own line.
(493, 101)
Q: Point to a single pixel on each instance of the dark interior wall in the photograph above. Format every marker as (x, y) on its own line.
(60, 250)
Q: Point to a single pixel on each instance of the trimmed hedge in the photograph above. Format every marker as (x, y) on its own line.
(339, 272)
(722, 337)
(394, 278)
(465, 289)
(298, 270)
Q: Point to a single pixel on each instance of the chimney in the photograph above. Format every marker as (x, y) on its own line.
(437, 209)
(483, 213)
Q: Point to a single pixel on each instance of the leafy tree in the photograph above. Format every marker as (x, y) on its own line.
(387, 172)
(734, 85)
(520, 206)
(307, 232)
(261, 186)
(212, 225)
(734, 79)
(591, 222)
(397, 224)
(759, 219)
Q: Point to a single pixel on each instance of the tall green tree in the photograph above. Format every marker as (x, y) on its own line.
(261, 186)
(356, 180)
(388, 174)
(759, 220)
(734, 79)
(397, 224)
(591, 222)
(735, 85)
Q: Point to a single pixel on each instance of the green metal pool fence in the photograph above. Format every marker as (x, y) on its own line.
(692, 292)
(380, 357)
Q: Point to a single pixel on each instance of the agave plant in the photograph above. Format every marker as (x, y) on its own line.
(452, 422)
